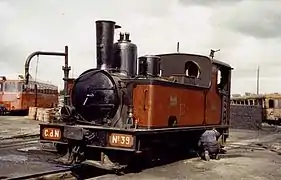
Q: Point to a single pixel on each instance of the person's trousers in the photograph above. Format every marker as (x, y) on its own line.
(212, 148)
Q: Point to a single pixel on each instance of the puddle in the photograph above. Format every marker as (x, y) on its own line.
(14, 158)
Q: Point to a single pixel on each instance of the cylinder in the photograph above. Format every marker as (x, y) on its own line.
(104, 43)
(149, 65)
(125, 56)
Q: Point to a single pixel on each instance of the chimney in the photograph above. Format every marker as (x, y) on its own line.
(104, 43)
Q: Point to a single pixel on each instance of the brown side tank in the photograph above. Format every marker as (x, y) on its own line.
(188, 101)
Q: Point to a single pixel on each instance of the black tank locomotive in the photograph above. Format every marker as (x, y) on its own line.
(114, 115)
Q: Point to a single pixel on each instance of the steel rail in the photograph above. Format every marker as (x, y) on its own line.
(18, 142)
(46, 173)
(36, 175)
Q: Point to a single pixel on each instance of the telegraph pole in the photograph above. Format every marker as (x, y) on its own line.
(258, 80)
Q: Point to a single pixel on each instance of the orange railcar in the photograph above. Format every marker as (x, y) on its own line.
(2, 108)
(18, 98)
(1, 90)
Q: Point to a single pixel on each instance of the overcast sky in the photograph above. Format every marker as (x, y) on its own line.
(247, 32)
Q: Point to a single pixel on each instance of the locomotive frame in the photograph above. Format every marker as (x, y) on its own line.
(170, 102)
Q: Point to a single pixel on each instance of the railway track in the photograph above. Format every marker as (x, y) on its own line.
(76, 172)
(70, 173)
(67, 173)
(18, 142)
(62, 172)
(56, 174)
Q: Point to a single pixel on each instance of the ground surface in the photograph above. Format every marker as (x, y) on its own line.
(251, 155)
(17, 134)
(11, 126)
(246, 159)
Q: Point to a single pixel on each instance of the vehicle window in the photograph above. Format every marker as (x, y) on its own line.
(192, 69)
(270, 103)
(279, 103)
(256, 102)
(20, 84)
(223, 78)
(10, 87)
(276, 103)
(251, 102)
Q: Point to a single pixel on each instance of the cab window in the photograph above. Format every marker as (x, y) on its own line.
(223, 74)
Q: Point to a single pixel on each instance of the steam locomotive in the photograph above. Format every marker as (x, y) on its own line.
(133, 106)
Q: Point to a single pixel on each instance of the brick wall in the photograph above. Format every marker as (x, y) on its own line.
(245, 117)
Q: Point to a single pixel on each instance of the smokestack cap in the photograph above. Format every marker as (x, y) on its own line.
(108, 21)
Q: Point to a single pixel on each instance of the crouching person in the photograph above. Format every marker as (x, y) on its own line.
(208, 144)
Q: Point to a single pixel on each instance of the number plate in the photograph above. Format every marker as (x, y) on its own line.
(121, 140)
(51, 133)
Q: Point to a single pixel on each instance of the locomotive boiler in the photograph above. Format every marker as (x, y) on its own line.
(119, 112)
